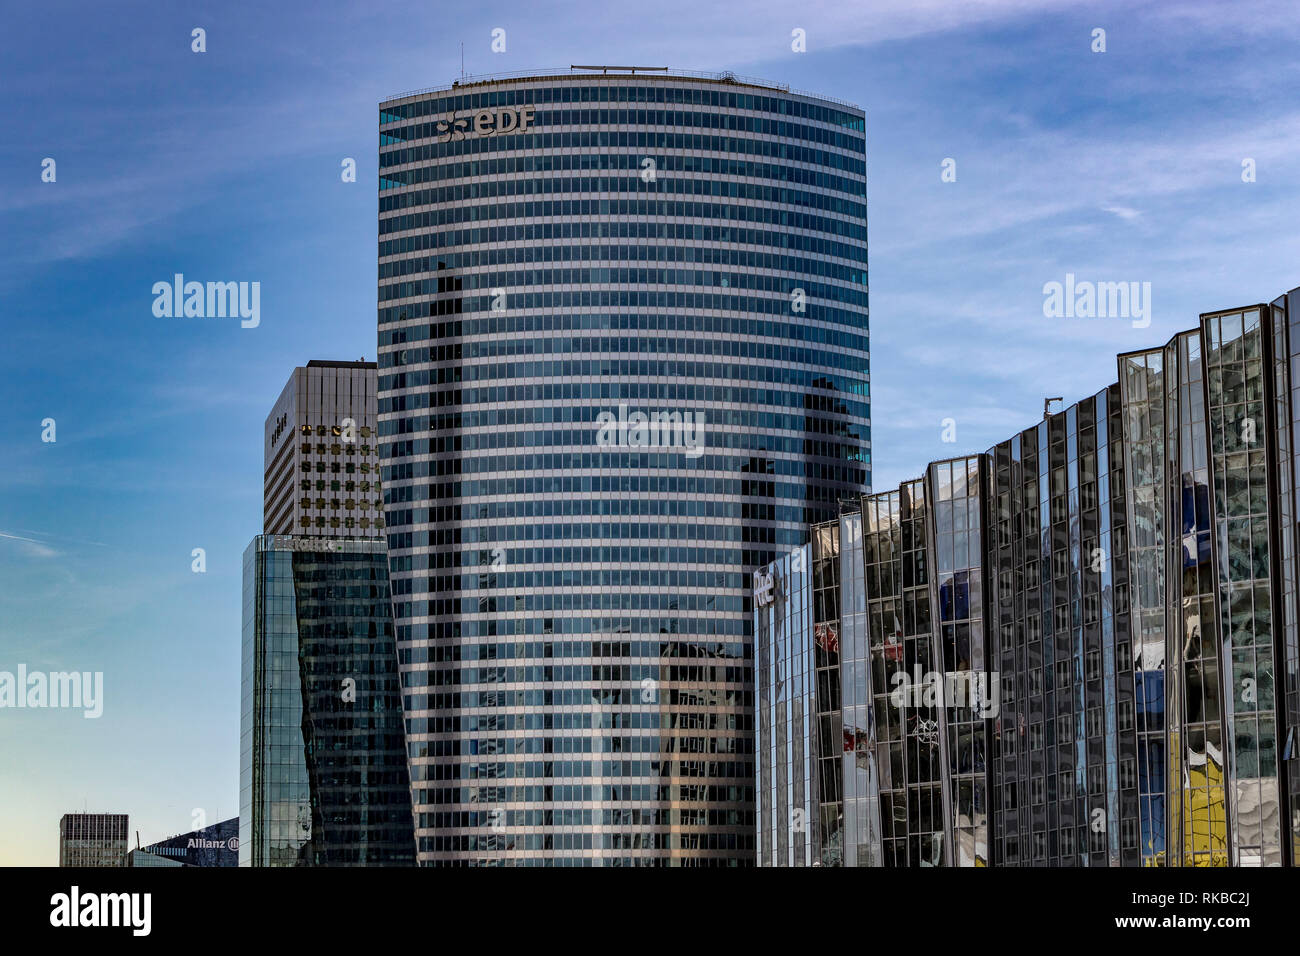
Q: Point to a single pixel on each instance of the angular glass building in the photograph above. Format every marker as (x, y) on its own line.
(1082, 643)
(323, 775)
(623, 361)
(216, 845)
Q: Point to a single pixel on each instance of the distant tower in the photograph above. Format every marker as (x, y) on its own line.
(321, 458)
(93, 839)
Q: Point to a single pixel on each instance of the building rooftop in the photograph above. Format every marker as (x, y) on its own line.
(725, 77)
(329, 363)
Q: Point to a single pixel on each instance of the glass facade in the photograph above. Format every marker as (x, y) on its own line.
(1239, 375)
(1143, 396)
(622, 362)
(323, 774)
(956, 591)
(1075, 638)
(1064, 771)
(902, 651)
(785, 800)
(217, 845)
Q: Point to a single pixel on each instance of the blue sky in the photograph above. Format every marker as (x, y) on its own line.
(1116, 166)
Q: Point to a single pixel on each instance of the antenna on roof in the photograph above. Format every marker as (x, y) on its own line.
(462, 59)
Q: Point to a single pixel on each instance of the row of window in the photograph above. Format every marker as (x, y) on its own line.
(605, 187)
(705, 434)
(334, 522)
(336, 468)
(565, 232)
(531, 335)
(335, 449)
(530, 165)
(580, 769)
(624, 119)
(638, 208)
(580, 697)
(687, 628)
(307, 485)
(641, 142)
(646, 675)
(503, 287)
(547, 650)
(619, 481)
(551, 720)
(1067, 842)
(579, 90)
(347, 504)
(335, 430)
(741, 259)
(684, 603)
(674, 394)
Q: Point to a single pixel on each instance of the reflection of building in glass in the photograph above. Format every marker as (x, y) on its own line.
(1115, 591)
(323, 778)
(785, 799)
(907, 720)
(572, 612)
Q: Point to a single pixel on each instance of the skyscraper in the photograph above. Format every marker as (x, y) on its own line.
(93, 839)
(321, 460)
(323, 778)
(323, 772)
(623, 360)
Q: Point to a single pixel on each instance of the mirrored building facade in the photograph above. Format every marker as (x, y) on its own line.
(216, 845)
(1082, 643)
(323, 775)
(786, 804)
(564, 260)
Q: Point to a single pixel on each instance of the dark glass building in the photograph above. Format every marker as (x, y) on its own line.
(622, 361)
(217, 845)
(323, 776)
(1082, 644)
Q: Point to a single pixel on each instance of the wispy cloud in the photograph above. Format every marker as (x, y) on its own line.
(31, 546)
(1123, 212)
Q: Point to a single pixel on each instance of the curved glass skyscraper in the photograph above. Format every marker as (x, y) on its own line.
(622, 362)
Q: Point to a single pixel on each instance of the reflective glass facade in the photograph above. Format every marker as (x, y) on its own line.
(572, 600)
(1240, 388)
(217, 845)
(323, 775)
(785, 801)
(897, 581)
(1082, 642)
(1064, 772)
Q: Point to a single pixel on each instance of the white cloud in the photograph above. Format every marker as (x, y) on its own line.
(31, 546)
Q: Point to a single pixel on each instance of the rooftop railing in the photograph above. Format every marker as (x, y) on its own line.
(724, 76)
